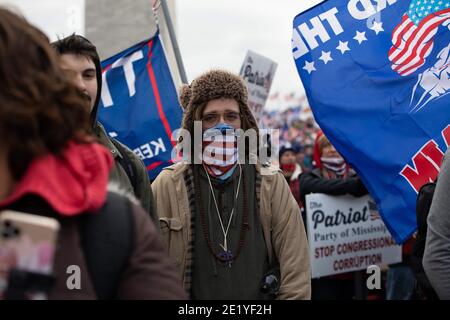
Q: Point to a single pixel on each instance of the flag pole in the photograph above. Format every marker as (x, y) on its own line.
(173, 39)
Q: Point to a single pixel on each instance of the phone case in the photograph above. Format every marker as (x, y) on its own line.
(27, 243)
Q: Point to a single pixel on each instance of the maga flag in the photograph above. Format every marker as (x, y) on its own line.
(376, 74)
(139, 105)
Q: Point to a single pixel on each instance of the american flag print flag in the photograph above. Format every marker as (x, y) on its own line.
(368, 74)
(412, 39)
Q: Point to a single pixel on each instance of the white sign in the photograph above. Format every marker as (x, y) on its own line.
(347, 234)
(258, 72)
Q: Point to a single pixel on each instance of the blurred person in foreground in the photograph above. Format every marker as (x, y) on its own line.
(436, 259)
(51, 166)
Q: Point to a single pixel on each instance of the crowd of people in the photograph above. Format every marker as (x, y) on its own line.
(297, 131)
(217, 228)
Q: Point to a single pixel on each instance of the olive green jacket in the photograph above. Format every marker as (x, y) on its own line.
(143, 190)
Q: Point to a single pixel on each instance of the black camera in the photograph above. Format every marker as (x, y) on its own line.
(271, 283)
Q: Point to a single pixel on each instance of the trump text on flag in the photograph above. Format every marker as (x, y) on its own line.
(139, 103)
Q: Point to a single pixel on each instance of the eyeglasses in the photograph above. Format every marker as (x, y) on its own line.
(212, 119)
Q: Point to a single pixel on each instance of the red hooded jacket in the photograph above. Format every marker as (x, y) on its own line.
(75, 183)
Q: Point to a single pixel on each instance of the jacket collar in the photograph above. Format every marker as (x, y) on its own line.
(71, 183)
(105, 140)
(180, 167)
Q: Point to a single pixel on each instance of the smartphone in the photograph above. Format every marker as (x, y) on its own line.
(27, 243)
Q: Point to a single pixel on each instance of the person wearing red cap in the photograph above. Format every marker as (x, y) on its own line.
(332, 176)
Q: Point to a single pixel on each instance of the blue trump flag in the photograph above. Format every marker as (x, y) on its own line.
(139, 105)
(376, 74)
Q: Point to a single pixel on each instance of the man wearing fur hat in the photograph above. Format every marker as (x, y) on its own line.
(226, 224)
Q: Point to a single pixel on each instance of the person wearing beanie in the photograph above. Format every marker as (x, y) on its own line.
(332, 176)
(291, 169)
(229, 225)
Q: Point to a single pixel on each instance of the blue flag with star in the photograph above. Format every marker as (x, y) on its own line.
(139, 103)
(377, 77)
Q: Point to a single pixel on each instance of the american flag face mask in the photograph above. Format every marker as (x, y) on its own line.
(220, 151)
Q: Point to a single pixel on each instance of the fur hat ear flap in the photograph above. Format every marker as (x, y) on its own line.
(185, 95)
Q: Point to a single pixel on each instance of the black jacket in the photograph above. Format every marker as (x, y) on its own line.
(314, 182)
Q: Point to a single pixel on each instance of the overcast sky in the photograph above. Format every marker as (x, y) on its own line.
(54, 17)
(211, 33)
(218, 33)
